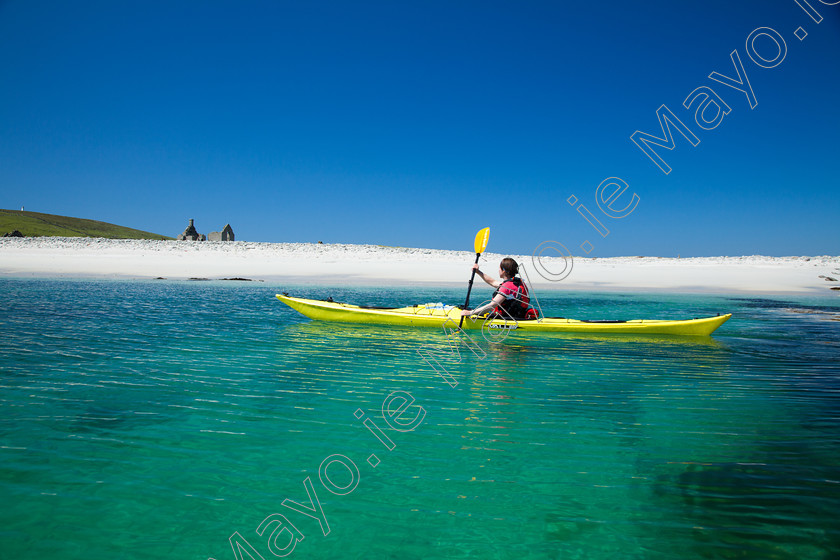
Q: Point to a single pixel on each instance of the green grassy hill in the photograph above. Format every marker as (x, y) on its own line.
(34, 224)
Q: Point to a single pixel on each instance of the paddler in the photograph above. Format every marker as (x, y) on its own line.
(510, 300)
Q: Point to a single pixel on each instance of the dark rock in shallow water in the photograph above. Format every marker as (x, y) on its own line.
(14, 233)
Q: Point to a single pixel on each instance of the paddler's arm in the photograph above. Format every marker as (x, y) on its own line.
(498, 300)
(489, 279)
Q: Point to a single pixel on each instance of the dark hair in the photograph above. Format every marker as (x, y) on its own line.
(509, 266)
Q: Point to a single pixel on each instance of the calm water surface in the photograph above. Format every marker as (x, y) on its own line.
(159, 419)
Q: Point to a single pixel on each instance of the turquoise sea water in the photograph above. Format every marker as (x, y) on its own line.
(158, 419)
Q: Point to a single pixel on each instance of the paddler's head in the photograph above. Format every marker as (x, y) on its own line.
(508, 268)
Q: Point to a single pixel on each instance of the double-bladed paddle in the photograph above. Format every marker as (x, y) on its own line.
(481, 239)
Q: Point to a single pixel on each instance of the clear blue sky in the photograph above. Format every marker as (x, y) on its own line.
(416, 124)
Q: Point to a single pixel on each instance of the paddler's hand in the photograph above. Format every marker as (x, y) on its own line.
(466, 312)
(478, 272)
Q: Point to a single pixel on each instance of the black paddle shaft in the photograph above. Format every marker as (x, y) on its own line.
(469, 289)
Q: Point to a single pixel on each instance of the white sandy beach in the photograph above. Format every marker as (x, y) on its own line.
(334, 264)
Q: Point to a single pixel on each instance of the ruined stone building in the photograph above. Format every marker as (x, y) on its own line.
(190, 234)
(225, 235)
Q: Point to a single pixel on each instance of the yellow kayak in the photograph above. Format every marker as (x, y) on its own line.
(437, 315)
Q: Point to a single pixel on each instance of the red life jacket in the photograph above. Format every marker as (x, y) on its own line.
(516, 298)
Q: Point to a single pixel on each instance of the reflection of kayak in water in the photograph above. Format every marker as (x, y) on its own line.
(437, 315)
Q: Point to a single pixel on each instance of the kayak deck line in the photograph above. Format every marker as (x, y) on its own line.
(438, 315)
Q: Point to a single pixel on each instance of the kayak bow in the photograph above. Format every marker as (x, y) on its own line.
(437, 315)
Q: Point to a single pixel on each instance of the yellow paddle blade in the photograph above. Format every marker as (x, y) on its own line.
(481, 239)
